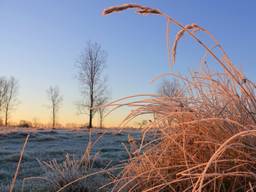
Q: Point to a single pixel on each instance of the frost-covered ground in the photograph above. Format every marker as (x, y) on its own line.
(45, 145)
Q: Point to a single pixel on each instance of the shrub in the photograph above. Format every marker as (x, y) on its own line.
(25, 124)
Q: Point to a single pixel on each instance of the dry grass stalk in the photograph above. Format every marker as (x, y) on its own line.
(139, 9)
(18, 165)
(225, 63)
(206, 136)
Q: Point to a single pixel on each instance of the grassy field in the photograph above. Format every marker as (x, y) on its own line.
(46, 145)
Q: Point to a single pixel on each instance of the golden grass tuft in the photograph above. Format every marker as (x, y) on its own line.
(206, 135)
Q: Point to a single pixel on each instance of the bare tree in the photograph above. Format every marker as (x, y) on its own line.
(10, 97)
(3, 91)
(101, 109)
(55, 100)
(91, 68)
(170, 88)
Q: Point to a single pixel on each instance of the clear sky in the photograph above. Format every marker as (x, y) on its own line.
(40, 42)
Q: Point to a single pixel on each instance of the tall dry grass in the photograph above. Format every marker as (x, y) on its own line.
(206, 134)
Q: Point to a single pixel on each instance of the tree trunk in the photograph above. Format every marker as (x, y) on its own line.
(91, 110)
(101, 119)
(101, 123)
(90, 119)
(6, 116)
(53, 118)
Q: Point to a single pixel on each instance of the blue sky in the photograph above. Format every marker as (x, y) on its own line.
(40, 42)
